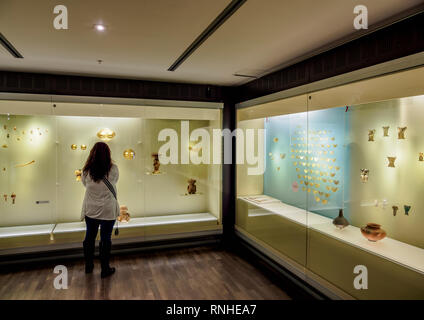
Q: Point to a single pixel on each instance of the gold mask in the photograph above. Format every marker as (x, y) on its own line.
(106, 134)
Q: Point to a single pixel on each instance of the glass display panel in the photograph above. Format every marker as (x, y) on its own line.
(44, 147)
(272, 203)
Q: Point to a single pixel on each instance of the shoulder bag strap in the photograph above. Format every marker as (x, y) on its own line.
(112, 190)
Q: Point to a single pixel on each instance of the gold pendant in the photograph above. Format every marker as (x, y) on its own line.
(391, 162)
(73, 146)
(401, 132)
(395, 210)
(371, 134)
(421, 156)
(386, 131)
(364, 175)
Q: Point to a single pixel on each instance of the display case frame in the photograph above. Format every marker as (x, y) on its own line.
(63, 235)
(327, 248)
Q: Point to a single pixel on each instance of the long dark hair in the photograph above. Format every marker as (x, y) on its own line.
(99, 162)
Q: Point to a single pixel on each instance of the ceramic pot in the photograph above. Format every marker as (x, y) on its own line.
(373, 232)
(340, 221)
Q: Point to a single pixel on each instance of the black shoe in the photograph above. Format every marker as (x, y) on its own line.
(107, 272)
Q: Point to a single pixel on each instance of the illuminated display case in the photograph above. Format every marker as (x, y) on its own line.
(43, 146)
(339, 198)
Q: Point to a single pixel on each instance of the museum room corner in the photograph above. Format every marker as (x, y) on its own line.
(204, 157)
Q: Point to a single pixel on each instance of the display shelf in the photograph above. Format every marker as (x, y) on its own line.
(393, 250)
(24, 231)
(170, 219)
(141, 222)
(69, 227)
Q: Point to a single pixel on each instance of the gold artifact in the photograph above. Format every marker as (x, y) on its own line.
(78, 174)
(336, 182)
(129, 154)
(156, 163)
(25, 164)
(282, 155)
(278, 168)
(317, 199)
(106, 134)
(421, 156)
(386, 131)
(13, 196)
(124, 216)
(364, 175)
(407, 208)
(324, 201)
(83, 147)
(73, 146)
(395, 209)
(334, 189)
(191, 188)
(371, 134)
(401, 132)
(391, 162)
(4, 146)
(332, 174)
(275, 139)
(5, 197)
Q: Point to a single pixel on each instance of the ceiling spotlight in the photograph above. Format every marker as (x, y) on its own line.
(99, 27)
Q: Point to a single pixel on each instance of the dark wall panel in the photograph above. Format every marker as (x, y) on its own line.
(398, 40)
(106, 87)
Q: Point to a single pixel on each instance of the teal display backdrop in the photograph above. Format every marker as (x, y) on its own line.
(307, 160)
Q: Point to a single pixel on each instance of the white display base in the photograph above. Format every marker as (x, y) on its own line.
(69, 227)
(23, 231)
(393, 250)
(171, 219)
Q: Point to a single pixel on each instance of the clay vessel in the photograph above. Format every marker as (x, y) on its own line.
(340, 221)
(373, 232)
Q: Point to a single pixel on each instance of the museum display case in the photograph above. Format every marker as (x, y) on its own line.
(44, 146)
(339, 202)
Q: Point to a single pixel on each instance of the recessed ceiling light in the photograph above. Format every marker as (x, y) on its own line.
(99, 27)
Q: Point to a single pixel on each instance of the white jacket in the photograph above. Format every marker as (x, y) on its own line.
(99, 202)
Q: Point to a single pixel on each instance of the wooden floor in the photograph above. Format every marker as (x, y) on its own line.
(191, 273)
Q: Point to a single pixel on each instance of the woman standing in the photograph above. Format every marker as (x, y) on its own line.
(100, 206)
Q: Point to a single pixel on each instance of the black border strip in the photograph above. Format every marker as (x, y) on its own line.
(9, 47)
(219, 20)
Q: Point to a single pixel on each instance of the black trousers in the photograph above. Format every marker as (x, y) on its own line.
(106, 228)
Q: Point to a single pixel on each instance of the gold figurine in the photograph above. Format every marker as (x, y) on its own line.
(156, 163)
(371, 134)
(13, 196)
(421, 156)
(395, 209)
(401, 132)
(364, 175)
(5, 197)
(386, 131)
(391, 162)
